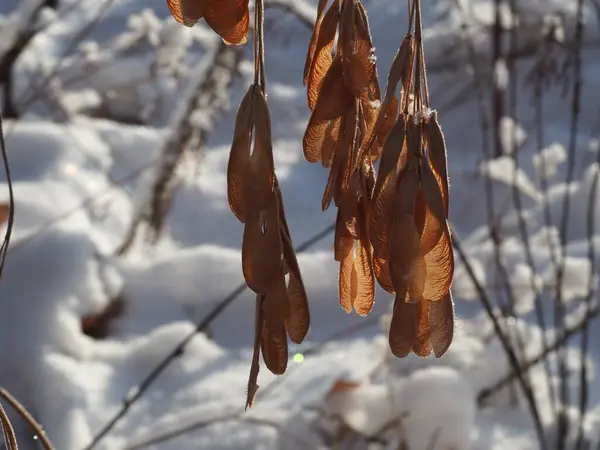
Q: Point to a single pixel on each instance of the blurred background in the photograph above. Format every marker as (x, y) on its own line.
(124, 320)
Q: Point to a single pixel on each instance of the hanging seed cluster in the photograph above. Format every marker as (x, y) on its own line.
(395, 226)
(344, 97)
(412, 249)
(391, 227)
(267, 251)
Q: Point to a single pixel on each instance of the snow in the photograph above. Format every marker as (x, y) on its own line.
(87, 146)
(548, 161)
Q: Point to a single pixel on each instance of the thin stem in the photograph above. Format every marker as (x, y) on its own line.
(502, 336)
(417, 105)
(8, 432)
(34, 426)
(518, 202)
(421, 55)
(11, 199)
(411, 14)
(260, 12)
(179, 349)
(255, 47)
(560, 307)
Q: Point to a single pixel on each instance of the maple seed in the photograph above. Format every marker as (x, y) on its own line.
(230, 19)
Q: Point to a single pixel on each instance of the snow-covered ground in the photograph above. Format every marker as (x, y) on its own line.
(83, 155)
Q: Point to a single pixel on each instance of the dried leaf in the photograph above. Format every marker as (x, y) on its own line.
(441, 319)
(239, 157)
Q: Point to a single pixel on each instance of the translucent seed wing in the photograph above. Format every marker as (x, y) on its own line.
(441, 319)
(239, 157)
(187, 12)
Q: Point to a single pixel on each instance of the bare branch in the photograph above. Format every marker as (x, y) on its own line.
(208, 93)
(35, 427)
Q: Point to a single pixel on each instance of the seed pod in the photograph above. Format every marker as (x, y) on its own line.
(230, 19)
(403, 327)
(298, 315)
(262, 249)
(334, 97)
(188, 12)
(438, 155)
(422, 343)
(321, 60)
(313, 39)
(239, 157)
(441, 318)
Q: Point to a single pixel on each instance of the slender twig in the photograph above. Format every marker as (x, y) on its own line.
(559, 311)
(33, 425)
(46, 226)
(77, 39)
(583, 374)
(517, 200)
(493, 230)
(559, 342)
(207, 91)
(235, 417)
(178, 350)
(538, 101)
(8, 432)
(11, 199)
(502, 337)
